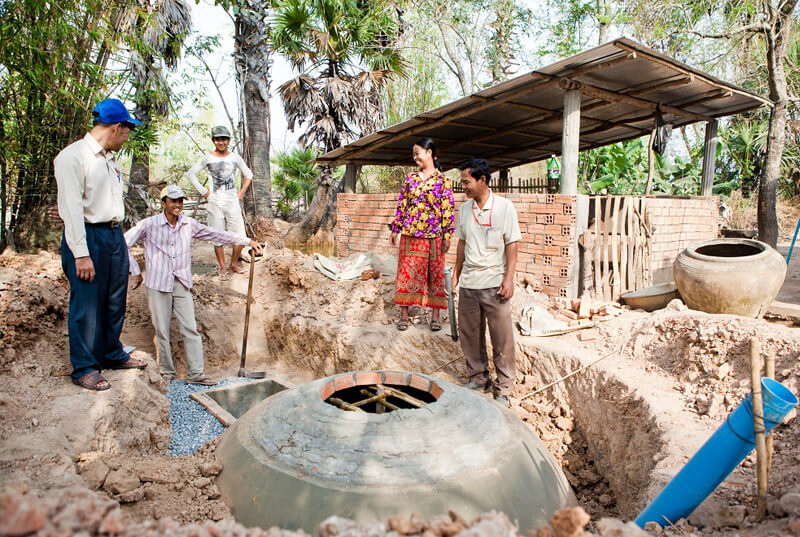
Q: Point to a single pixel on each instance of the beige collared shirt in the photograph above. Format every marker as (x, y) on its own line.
(486, 233)
(89, 190)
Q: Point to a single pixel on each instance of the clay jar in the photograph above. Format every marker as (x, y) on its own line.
(733, 276)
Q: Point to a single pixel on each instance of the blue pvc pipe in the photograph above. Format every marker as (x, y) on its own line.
(718, 457)
(789, 255)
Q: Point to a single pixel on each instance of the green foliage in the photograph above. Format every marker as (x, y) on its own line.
(53, 69)
(345, 51)
(294, 175)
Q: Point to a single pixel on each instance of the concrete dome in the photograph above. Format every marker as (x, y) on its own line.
(294, 459)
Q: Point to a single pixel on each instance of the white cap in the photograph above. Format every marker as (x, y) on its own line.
(173, 192)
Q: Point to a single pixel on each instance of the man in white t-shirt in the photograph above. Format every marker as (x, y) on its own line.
(224, 211)
(488, 234)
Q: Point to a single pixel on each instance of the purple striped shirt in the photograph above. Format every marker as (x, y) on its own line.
(167, 250)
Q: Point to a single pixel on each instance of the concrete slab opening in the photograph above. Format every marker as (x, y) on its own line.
(229, 403)
(380, 392)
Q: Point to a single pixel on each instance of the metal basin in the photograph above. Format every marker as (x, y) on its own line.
(652, 298)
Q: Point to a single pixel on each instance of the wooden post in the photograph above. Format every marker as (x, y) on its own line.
(651, 162)
(570, 138)
(758, 427)
(769, 372)
(351, 172)
(503, 180)
(709, 158)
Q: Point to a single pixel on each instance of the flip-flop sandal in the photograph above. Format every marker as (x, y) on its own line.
(92, 381)
(436, 326)
(132, 363)
(402, 324)
(204, 381)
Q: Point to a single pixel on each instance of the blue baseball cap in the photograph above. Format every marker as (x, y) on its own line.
(113, 111)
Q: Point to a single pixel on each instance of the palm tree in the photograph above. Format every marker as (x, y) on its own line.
(345, 52)
(160, 27)
(294, 176)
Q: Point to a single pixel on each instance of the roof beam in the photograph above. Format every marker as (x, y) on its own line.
(600, 65)
(708, 80)
(615, 97)
(481, 103)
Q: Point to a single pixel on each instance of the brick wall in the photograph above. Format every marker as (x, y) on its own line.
(547, 222)
(678, 222)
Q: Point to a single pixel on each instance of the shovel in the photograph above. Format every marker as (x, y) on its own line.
(254, 374)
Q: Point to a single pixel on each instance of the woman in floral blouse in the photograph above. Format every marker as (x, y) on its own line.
(424, 222)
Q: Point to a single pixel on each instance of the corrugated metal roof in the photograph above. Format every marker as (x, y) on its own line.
(520, 120)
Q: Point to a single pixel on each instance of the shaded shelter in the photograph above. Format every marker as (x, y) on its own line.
(600, 96)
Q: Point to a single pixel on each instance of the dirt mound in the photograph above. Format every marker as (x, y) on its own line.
(78, 511)
(34, 300)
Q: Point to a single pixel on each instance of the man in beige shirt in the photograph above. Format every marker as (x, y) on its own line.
(94, 255)
(488, 234)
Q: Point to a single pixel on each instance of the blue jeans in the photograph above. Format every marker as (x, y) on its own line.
(97, 309)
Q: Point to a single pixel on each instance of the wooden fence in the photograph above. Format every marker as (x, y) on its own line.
(525, 186)
(616, 247)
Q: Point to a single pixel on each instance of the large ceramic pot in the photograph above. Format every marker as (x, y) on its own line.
(734, 276)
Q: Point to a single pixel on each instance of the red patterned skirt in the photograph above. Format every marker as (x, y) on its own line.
(420, 273)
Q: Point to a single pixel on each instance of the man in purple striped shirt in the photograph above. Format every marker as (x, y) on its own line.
(167, 239)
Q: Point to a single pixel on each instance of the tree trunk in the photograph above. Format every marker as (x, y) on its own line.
(301, 232)
(776, 42)
(768, 189)
(252, 55)
(140, 171)
(603, 20)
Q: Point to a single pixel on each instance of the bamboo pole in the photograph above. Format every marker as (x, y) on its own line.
(758, 427)
(769, 372)
(343, 405)
(403, 396)
(383, 402)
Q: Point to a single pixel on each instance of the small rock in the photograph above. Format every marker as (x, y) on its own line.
(94, 472)
(793, 527)
(790, 502)
(113, 522)
(121, 481)
(201, 482)
(611, 527)
(403, 525)
(135, 495)
(212, 493)
(563, 423)
(605, 500)
(723, 371)
(653, 527)
(676, 304)
(556, 412)
(792, 414)
(716, 513)
(569, 522)
(210, 469)
(20, 515)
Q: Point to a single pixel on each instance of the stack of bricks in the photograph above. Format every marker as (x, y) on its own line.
(547, 250)
(678, 222)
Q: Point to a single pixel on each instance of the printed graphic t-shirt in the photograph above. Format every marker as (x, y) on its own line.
(221, 174)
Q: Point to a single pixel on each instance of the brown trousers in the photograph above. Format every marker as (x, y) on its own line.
(476, 309)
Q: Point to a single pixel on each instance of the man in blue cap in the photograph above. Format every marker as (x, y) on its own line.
(94, 255)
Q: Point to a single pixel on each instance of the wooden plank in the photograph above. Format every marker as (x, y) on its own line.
(631, 246)
(598, 293)
(606, 225)
(624, 236)
(616, 201)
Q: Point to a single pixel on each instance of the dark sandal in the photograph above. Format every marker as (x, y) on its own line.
(132, 363)
(402, 324)
(436, 326)
(92, 381)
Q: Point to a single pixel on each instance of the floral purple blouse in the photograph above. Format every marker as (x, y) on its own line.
(425, 208)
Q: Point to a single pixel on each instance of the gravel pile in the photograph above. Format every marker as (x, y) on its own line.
(192, 425)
